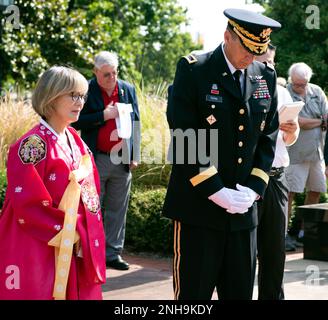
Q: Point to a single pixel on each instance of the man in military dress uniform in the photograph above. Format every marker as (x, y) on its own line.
(223, 107)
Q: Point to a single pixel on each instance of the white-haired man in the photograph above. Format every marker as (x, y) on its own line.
(307, 167)
(116, 152)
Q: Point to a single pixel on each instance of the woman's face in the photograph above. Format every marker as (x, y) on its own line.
(67, 107)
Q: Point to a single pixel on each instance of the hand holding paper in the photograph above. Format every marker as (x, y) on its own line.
(289, 127)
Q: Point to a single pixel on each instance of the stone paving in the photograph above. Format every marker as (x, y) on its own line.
(150, 278)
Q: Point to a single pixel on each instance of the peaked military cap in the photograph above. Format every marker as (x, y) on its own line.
(253, 29)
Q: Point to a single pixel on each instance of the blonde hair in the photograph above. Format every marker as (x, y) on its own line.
(53, 83)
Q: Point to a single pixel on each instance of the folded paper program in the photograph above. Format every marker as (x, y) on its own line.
(290, 111)
(123, 122)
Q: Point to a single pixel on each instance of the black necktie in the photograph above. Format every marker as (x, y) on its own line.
(236, 76)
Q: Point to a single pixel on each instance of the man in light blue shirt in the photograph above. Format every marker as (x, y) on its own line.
(307, 167)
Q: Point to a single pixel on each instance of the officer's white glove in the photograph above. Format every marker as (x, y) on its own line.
(232, 200)
(248, 191)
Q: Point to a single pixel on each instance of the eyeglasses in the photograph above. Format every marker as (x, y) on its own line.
(76, 97)
(299, 85)
(110, 74)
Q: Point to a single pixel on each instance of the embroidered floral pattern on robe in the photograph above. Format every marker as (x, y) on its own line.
(90, 196)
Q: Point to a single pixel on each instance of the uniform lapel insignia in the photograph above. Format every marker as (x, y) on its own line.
(262, 92)
(191, 58)
(214, 89)
(250, 83)
(224, 74)
(214, 97)
(211, 119)
(262, 125)
(253, 80)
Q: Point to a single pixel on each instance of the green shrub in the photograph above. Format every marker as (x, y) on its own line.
(146, 229)
(299, 199)
(3, 186)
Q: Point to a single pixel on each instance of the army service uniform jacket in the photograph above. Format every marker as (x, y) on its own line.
(244, 129)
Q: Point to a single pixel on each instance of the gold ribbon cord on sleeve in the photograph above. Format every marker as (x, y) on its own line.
(65, 239)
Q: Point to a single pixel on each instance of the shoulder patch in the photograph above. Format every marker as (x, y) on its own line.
(32, 150)
(190, 58)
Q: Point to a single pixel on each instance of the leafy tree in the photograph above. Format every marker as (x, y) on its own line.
(47, 35)
(145, 34)
(297, 42)
(163, 42)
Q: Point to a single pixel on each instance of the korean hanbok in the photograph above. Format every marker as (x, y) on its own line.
(49, 246)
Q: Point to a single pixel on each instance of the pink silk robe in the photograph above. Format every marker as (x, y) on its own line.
(38, 168)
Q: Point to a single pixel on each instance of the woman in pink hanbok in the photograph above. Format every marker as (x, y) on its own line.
(52, 243)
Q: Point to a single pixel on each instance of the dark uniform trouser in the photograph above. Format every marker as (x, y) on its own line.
(206, 258)
(271, 238)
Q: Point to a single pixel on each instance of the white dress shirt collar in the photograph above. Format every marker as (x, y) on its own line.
(231, 67)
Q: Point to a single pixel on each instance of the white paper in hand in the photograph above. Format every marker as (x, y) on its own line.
(123, 122)
(290, 111)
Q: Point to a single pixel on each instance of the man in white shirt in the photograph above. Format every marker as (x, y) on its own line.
(273, 211)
